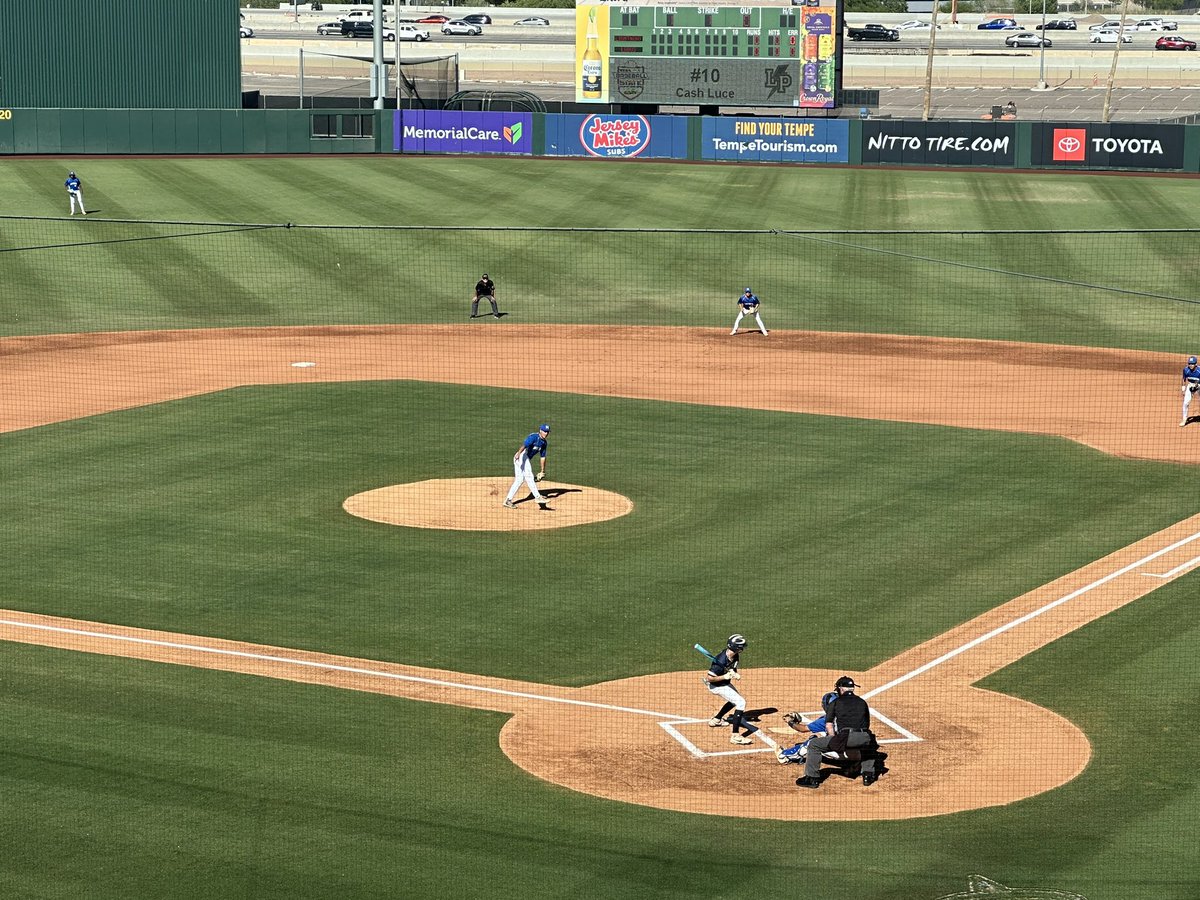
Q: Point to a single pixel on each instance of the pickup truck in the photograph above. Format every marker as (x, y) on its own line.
(872, 33)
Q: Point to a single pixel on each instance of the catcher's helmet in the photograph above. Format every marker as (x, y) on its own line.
(736, 642)
(1191, 360)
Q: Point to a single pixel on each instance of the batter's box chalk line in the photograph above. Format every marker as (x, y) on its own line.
(670, 727)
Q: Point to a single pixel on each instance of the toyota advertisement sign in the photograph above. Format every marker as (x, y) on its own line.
(939, 143)
(1123, 146)
(441, 131)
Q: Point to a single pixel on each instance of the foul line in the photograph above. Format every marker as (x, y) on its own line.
(1175, 571)
(1021, 620)
(333, 667)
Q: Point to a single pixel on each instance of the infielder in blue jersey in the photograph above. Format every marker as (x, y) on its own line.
(1191, 384)
(747, 305)
(534, 445)
(75, 192)
(719, 679)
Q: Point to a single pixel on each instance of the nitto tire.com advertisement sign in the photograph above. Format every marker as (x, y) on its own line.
(1124, 146)
(776, 140)
(939, 143)
(439, 131)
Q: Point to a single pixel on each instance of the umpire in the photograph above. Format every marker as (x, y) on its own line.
(848, 728)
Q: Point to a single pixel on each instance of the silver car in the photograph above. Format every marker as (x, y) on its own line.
(1027, 39)
(458, 26)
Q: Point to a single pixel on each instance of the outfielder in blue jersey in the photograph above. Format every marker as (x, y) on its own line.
(534, 445)
(1191, 384)
(75, 192)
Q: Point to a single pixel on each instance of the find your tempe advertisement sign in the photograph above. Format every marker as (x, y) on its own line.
(939, 143)
(1124, 146)
(440, 131)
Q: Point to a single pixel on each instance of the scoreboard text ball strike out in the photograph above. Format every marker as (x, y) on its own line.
(709, 55)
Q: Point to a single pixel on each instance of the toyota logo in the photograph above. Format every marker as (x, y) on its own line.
(1068, 144)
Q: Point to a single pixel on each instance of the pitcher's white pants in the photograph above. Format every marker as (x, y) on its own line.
(523, 470)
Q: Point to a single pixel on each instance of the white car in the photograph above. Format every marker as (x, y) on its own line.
(1163, 24)
(1110, 25)
(406, 33)
(914, 23)
(245, 31)
(532, 20)
(1108, 36)
(1146, 25)
(458, 26)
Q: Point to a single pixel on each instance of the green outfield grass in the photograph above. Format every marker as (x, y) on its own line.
(1055, 287)
(831, 543)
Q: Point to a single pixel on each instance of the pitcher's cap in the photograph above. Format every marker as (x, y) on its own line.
(544, 427)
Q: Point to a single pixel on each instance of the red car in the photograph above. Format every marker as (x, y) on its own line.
(435, 19)
(1174, 42)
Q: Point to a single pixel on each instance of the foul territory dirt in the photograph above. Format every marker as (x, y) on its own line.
(644, 739)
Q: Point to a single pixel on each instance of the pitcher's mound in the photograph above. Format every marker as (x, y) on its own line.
(477, 504)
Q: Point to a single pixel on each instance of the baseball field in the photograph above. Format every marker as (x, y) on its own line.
(269, 632)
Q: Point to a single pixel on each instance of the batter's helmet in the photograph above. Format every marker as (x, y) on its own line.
(70, 174)
(736, 642)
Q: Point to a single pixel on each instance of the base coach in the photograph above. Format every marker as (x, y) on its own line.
(848, 732)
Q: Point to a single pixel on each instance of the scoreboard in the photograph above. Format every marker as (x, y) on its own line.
(709, 55)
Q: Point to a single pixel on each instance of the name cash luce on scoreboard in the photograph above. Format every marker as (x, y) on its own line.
(709, 55)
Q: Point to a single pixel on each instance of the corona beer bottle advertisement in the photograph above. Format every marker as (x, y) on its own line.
(591, 53)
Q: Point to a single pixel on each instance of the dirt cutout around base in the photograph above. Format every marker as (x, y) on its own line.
(477, 504)
(645, 740)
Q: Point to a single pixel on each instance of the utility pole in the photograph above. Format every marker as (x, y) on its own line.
(929, 62)
(1112, 70)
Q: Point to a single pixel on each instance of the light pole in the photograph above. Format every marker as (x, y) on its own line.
(1041, 85)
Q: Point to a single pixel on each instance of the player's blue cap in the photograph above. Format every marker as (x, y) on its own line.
(545, 428)
(1191, 360)
(748, 291)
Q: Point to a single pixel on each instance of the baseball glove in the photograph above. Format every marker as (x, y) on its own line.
(539, 476)
(796, 720)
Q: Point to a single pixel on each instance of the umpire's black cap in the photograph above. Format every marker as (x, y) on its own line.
(846, 682)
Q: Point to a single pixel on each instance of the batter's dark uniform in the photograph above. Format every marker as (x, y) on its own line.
(848, 727)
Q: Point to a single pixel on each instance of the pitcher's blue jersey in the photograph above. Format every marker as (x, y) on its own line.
(1191, 374)
(535, 445)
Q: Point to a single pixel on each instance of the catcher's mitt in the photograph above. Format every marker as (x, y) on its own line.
(539, 476)
(796, 720)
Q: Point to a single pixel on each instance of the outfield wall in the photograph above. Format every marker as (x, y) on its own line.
(983, 144)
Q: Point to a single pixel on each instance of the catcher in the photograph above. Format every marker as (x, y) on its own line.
(1191, 384)
(798, 721)
(747, 305)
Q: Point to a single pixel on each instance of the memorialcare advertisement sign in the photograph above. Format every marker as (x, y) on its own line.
(1124, 146)
(441, 131)
(939, 143)
(775, 140)
(612, 136)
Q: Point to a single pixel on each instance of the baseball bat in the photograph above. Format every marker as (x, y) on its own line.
(705, 652)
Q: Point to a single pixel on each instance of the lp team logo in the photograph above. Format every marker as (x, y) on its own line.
(980, 888)
(615, 136)
(1070, 144)
(778, 80)
(512, 133)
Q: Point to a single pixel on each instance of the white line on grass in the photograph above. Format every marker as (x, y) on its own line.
(1021, 620)
(333, 667)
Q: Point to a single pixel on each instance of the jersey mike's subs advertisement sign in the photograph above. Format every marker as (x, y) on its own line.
(616, 136)
(939, 143)
(775, 140)
(1123, 146)
(446, 131)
